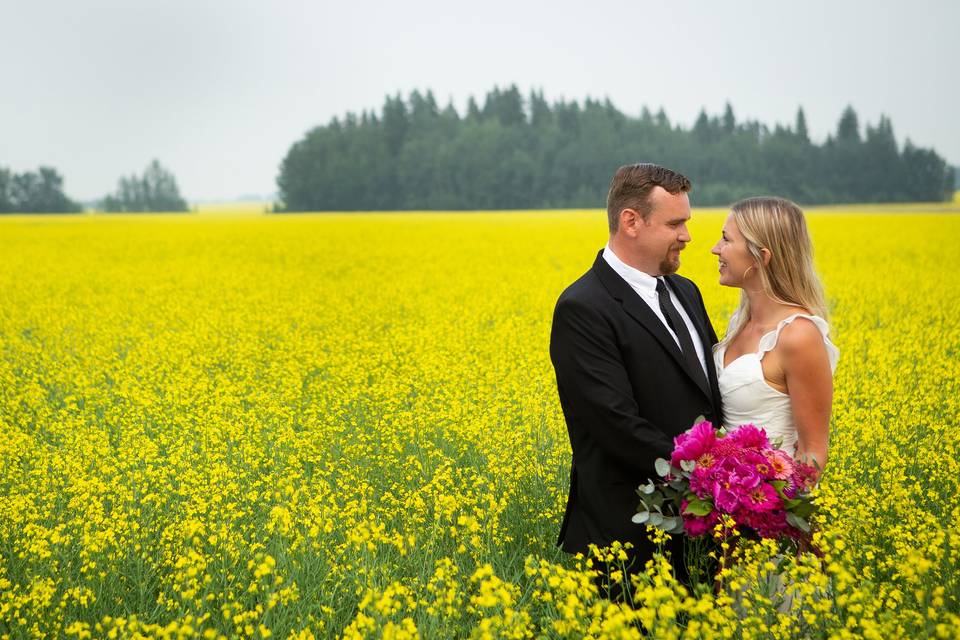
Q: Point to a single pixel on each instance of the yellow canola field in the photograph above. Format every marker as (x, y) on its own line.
(347, 424)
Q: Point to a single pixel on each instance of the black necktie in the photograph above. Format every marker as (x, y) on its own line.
(680, 329)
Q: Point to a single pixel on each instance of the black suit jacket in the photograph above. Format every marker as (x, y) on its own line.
(626, 392)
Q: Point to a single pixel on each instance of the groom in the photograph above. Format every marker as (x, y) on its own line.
(631, 347)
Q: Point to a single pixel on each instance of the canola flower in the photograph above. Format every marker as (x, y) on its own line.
(347, 426)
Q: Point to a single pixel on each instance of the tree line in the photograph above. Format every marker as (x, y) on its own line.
(41, 191)
(519, 152)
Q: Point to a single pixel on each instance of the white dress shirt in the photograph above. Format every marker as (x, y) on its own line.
(646, 287)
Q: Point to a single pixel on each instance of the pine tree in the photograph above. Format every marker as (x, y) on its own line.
(848, 129)
(729, 122)
(800, 127)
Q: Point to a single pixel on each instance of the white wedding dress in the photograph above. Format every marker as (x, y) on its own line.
(747, 398)
(745, 394)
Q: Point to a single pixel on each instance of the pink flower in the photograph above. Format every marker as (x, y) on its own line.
(757, 463)
(724, 446)
(804, 475)
(768, 524)
(781, 464)
(694, 443)
(725, 497)
(763, 497)
(701, 481)
(750, 436)
(746, 477)
(706, 461)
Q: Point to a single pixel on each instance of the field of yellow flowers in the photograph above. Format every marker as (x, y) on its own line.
(347, 425)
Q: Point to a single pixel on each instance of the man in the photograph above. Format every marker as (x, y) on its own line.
(631, 347)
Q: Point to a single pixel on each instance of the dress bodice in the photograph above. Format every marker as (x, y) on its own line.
(748, 398)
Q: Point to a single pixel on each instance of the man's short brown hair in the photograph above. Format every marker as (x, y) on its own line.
(631, 187)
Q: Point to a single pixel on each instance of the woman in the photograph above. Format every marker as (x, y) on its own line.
(775, 365)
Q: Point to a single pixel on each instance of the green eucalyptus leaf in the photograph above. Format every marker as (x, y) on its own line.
(662, 466)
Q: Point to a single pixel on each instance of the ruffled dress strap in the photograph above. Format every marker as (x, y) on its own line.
(769, 340)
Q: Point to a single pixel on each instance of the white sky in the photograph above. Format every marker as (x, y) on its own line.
(219, 90)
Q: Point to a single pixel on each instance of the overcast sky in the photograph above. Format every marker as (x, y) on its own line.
(219, 90)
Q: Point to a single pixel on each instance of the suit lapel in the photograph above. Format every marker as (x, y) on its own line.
(637, 309)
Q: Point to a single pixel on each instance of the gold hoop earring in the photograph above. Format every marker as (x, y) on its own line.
(744, 276)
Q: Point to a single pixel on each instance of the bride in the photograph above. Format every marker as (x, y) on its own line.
(775, 365)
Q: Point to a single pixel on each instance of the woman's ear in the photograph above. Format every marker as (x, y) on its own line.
(766, 255)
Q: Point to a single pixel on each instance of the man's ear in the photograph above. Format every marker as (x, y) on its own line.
(629, 219)
(767, 255)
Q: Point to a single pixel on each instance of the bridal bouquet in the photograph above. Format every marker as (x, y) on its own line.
(738, 473)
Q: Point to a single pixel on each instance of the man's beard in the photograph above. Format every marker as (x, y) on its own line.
(669, 265)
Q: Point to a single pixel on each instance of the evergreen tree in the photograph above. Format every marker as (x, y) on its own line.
(848, 129)
(540, 115)
(661, 118)
(800, 126)
(881, 169)
(702, 129)
(506, 106)
(473, 111)
(395, 123)
(729, 121)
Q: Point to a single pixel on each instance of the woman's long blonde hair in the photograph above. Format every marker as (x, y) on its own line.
(778, 225)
